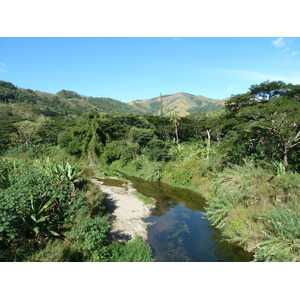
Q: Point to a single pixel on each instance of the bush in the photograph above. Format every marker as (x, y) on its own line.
(90, 237)
(146, 169)
(119, 150)
(157, 150)
(140, 136)
(35, 205)
(39, 205)
(5, 167)
(135, 250)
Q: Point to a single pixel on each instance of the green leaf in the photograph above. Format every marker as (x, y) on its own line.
(54, 233)
(47, 204)
(36, 230)
(42, 219)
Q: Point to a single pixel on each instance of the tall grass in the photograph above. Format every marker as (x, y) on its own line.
(258, 210)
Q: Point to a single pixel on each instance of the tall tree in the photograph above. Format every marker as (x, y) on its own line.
(175, 121)
(267, 90)
(275, 124)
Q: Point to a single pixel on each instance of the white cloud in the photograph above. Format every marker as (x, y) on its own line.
(279, 43)
(286, 49)
(3, 68)
(283, 45)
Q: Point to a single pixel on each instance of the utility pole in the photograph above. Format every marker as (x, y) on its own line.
(161, 106)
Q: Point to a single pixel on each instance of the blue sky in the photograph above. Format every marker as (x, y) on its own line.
(133, 68)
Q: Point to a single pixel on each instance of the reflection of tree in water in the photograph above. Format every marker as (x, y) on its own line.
(225, 251)
(163, 205)
(167, 196)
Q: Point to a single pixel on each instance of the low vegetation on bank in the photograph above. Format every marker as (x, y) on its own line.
(49, 212)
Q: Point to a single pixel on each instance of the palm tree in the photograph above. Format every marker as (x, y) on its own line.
(175, 120)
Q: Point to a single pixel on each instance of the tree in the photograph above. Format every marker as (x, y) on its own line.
(275, 124)
(7, 92)
(237, 102)
(26, 129)
(69, 94)
(140, 135)
(175, 121)
(267, 90)
(87, 137)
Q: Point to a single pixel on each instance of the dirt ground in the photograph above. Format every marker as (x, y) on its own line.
(127, 212)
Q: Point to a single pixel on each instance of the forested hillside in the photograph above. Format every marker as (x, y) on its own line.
(244, 159)
(28, 103)
(102, 104)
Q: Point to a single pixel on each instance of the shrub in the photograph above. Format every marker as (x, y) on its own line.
(90, 236)
(5, 167)
(147, 169)
(119, 150)
(140, 136)
(157, 150)
(135, 250)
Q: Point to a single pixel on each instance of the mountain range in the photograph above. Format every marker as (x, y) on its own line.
(19, 102)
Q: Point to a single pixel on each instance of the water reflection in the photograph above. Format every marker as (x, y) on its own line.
(167, 196)
(181, 231)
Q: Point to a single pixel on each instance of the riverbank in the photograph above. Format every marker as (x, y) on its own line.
(127, 211)
(251, 206)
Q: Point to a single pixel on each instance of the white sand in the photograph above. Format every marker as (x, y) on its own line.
(127, 212)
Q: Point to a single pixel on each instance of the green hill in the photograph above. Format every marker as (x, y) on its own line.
(29, 104)
(103, 104)
(180, 103)
(33, 105)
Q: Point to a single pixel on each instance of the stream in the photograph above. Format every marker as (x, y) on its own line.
(180, 230)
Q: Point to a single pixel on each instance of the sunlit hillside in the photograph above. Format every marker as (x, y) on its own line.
(180, 103)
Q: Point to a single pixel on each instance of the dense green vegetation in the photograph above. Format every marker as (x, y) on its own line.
(49, 212)
(244, 160)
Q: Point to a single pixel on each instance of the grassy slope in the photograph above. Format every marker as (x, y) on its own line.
(180, 103)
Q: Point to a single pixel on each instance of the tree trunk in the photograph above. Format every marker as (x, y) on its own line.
(285, 160)
(208, 142)
(176, 132)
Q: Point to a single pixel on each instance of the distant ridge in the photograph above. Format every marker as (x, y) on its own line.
(26, 103)
(182, 104)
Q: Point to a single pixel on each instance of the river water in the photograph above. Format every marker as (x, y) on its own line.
(181, 231)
